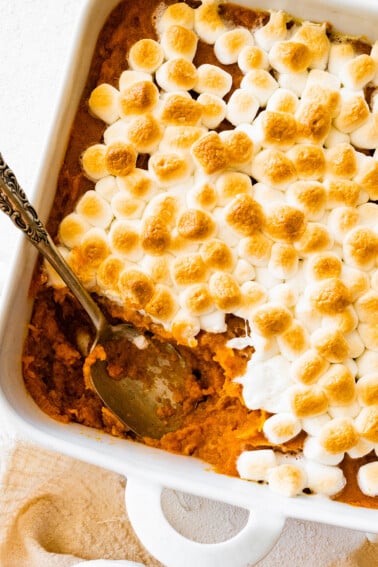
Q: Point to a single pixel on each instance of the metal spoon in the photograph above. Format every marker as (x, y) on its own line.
(141, 404)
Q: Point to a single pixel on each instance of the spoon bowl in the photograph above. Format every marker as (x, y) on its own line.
(146, 393)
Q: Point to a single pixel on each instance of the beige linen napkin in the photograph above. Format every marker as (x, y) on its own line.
(56, 511)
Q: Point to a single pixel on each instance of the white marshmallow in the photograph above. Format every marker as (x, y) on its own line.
(350, 410)
(281, 427)
(313, 451)
(367, 478)
(335, 137)
(243, 272)
(367, 363)
(362, 448)
(288, 480)
(265, 385)
(368, 214)
(283, 100)
(324, 479)
(116, 132)
(129, 77)
(339, 55)
(255, 465)
(214, 110)
(107, 187)
(242, 107)
(94, 209)
(313, 425)
(366, 136)
(295, 82)
(214, 322)
(285, 294)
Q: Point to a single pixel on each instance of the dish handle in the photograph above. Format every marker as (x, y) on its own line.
(252, 543)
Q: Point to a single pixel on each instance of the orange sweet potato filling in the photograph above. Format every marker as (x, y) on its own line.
(220, 427)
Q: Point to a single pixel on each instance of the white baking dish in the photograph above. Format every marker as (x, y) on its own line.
(147, 469)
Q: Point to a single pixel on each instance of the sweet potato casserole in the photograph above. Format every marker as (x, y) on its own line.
(219, 191)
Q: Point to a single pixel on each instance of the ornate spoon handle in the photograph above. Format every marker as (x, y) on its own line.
(15, 204)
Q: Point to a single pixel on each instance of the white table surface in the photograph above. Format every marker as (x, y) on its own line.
(35, 36)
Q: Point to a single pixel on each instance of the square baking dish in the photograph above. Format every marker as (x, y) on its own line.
(148, 469)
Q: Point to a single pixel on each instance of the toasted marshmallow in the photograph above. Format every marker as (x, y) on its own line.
(295, 82)
(144, 133)
(239, 148)
(188, 269)
(244, 215)
(94, 209)
(136, 288)
(72, 229)
(179, 139)
(202, 195)
(338, 384)
(120, 159)
(93, 248)
(308, 367)
(195, 224)
(255, 465)
(230, 184)
(354, 112)
(164, 207)
(180, 110)
(169, 169)
(146, 55)
(155, 236)
(367, 478)
(307, 401)
(338, 435)
(217, 255)
(210, 153)
(270, 320)
(341, 221)
(329, 296)
(275, 129)
(260, 83)
(94, 163)
(367, 363)
(243, 272)
(342, 192)
(309, 197)
(264, 194)
(136, 184)
(103, 103)
(124, 240)
(178, 13)
(214, 110)
(315, 238)
(324, 479)
(196, 299)
(128, 78)
(319, 94)
(367, 389)
(138, 98)
(283, 261)
(273, 168)
(208, 23)
(266, 382)
(256, 249)
(289, 56)
(242, 107)
(309, 161)
(293, 342)
(252, 57)
(331, 344)
(339, 55)
(314, 122)
(179, 41)
(158, 267)
(228, 45)
(369, 335)
(366, 136)
(108, 273)
(367, 423)
(367, 177)
(212, 80)
(315, 38)
(287, 479)
(163, 305)
(177, 74)
(314, 451)
(253, 294)
(225, 291)
(185, 328)
(312, 425)
(341, 161)
(274, 30)
(323, 266)
(361, 248)
(283, 100)
(357, 72)
(284, 223)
